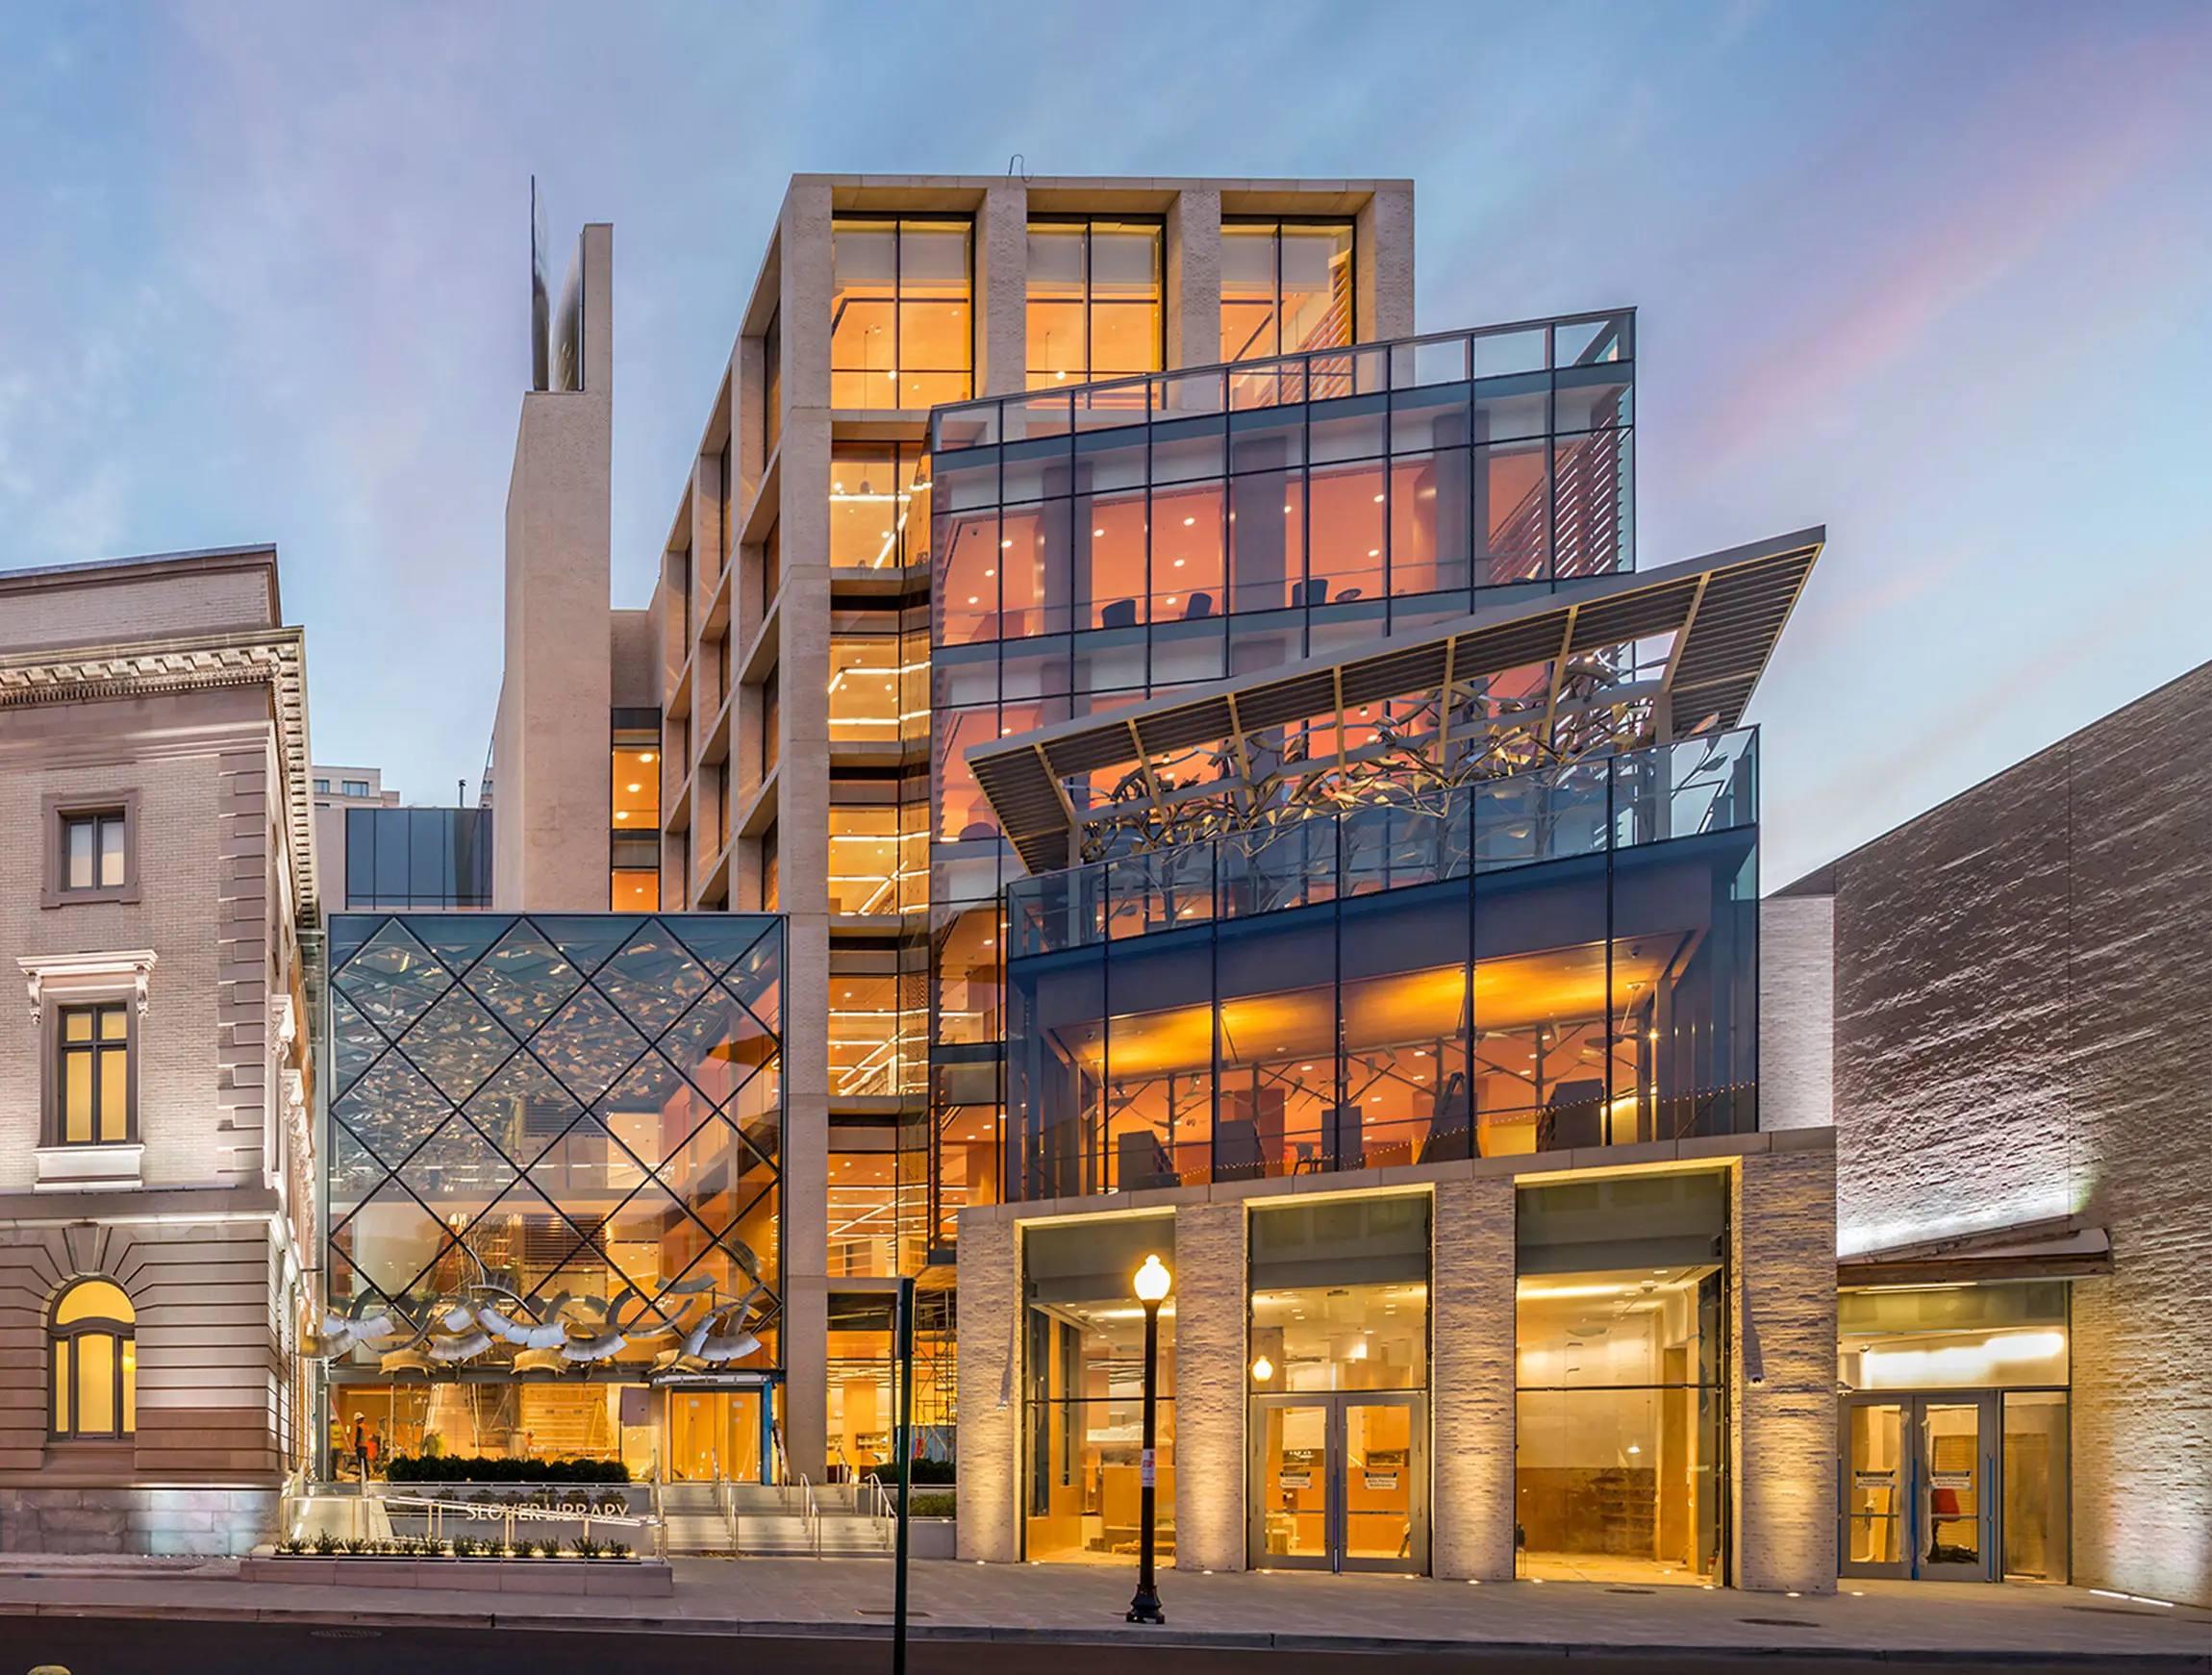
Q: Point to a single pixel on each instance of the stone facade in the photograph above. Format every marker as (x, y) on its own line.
(2021, 1038)
(1782, 1210)
(194, 725)
(1472, 1374)
(1783, 1396)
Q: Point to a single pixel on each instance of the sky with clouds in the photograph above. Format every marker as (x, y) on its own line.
(1938, 275)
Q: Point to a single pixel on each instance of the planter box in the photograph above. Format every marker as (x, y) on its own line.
(931, 1538)
(601, 1577)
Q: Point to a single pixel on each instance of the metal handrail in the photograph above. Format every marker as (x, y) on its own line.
(811, 1512)
(727, 1498)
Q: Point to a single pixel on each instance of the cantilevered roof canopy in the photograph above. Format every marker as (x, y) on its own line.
(1726, 611)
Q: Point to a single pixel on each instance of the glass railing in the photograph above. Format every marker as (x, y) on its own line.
(1636, 797)
(1403, 363)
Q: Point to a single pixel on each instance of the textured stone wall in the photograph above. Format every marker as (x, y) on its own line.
(1797, 1011)
(135, 1520)
(1471, 1379)
(2022, 1034)
(1210, 1343)
(1784, 1281)
(989, 1389)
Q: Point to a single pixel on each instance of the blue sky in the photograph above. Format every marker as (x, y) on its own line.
(1939, 275)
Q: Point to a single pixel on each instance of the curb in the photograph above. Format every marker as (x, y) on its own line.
(1223, 1640)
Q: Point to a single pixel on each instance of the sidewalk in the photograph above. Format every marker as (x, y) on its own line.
(809, 1598)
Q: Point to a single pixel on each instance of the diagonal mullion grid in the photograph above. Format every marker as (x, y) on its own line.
(458, 974)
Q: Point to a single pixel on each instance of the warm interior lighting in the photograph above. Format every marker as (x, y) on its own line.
(1262, 1370)
(1153, 1282)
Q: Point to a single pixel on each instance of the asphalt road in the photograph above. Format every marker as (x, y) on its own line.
(89, 1646)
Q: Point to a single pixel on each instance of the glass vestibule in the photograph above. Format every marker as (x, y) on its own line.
(1084, 1389)
(1620, 1436)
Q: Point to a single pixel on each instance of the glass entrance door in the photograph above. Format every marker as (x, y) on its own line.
(1954, 1535)
(1917, 1482)
(1338, 1483)
(713, 1433)
(1875, 1488)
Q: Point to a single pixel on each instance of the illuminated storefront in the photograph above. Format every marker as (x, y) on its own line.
(554, 1188)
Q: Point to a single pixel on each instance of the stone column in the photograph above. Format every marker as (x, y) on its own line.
(1471, 1380)
(1194, 278)
(1209, 1386)
(1002, 289)
(1784, 1395)
(1382, 264)
(989, 1361)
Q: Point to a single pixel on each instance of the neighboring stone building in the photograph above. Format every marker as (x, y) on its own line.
(2018, 1041)
(156, 1188)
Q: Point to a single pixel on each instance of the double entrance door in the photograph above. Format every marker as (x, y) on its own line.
(1920, 1485)
(1338, 1481)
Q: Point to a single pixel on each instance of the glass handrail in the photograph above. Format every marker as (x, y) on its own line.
(1700, 785)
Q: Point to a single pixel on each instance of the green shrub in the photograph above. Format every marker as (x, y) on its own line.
(292, 1545)
(326, 1543)
(923, 1471)
(618, 1549)
(437, 1466)
(932, 1505)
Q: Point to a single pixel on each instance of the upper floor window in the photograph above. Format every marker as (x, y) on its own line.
(772, 384)
(322, 788)
(94, 850)
(1093, 300)
(94, 1104)
(879, 505)
(92, 1343)
(353, 788)
(634, 815)
(901, 329)
(1285, 287)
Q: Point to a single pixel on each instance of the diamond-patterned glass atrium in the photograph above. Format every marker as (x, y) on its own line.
(560, 1134)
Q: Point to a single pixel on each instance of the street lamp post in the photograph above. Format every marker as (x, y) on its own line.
(1152, 1283)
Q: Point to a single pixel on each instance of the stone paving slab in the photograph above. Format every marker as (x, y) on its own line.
(783, 1598)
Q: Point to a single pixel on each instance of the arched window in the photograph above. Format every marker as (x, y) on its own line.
(95, 1347)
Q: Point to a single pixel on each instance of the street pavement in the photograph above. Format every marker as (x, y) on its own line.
(833, 1615)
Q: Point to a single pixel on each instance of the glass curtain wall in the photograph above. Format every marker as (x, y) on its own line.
(1621, 1439)
(1094, 300)
(568, 1119)
(864, 1378)
(403, 859)
(1083, 1389)
(1083, 561)
(901, 327)
(1390, 986)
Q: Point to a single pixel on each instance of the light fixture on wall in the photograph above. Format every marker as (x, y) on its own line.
(1263, 1369)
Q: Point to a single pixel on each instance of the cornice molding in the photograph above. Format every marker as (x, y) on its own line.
(274, 657)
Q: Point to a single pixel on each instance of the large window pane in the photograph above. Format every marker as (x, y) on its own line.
(1621, 1433)
(901, 332)
(1084, 1389)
